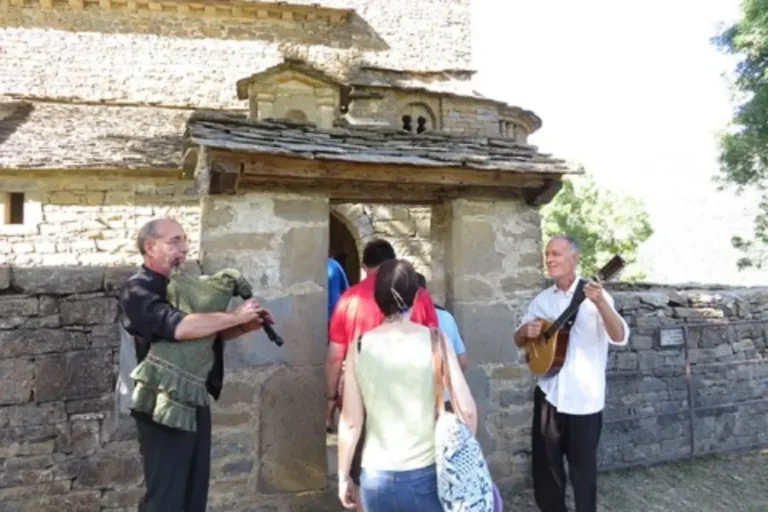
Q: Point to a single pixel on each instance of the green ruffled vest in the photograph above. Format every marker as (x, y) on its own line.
(170, 383)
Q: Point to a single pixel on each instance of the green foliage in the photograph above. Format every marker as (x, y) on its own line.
(744, 149)
(604, 223)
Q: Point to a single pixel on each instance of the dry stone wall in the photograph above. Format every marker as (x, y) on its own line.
(59, 348)
(653, 410)
(58, 352)
(647, 417)
(92, 220)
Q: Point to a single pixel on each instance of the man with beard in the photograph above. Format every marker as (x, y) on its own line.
(176, 460)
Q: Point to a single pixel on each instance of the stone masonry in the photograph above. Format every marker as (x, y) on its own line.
(92, 221)
(406, 227)
(647, 418)
(486, 263)
(270, 430)
(59, 345)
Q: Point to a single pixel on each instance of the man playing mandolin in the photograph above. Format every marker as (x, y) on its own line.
(568, 404)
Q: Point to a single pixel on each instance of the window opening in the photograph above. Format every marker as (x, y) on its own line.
(14, 208)
(407, 123)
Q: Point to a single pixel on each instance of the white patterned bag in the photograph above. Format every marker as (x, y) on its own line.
(464, 483)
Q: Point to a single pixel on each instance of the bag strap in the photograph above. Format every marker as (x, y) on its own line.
(442, 373)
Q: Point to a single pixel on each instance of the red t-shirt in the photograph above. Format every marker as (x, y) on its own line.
(357, 312)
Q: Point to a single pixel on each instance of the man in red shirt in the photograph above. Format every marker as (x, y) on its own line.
(356, 313)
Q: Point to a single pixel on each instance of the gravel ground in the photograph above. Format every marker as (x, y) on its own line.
(733, 483)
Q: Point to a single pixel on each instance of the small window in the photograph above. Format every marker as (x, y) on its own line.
(420, 115)
(407, 123)
(14, 208)
(422, 124)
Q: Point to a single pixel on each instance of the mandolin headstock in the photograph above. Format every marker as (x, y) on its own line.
(611, 269)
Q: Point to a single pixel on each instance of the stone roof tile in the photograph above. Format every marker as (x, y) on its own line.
(368, 145)
(69, 136)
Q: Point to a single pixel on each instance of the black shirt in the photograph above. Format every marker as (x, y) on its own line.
(147, 315)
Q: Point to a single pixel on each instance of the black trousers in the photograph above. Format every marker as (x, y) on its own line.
(556, 435)
(177, 465)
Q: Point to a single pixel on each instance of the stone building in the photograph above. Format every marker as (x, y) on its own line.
(273, 132)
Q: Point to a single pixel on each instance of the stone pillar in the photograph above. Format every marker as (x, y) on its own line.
(490, 253)
(269, 429)
(440, 224)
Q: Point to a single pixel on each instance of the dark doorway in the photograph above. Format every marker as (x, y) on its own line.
(344, 249)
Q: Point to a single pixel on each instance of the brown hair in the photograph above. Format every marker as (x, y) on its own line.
(396, 287)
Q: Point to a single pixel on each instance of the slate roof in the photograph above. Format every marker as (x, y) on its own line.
(368, 145)
(65, 136)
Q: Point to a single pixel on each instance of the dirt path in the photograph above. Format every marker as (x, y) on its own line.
(733, 483)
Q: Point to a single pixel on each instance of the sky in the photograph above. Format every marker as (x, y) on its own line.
(635, 92)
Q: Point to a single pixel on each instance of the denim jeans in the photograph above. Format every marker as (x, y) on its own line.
(400, 491)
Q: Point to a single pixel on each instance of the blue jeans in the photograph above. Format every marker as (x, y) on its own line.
(400, 491)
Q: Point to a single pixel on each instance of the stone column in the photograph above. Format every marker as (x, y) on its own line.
(490, 253)
(269, 429)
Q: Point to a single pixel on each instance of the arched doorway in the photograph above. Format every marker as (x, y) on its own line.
(343, 247)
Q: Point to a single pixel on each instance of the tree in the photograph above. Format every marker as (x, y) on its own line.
(744, 149)
(603, 223)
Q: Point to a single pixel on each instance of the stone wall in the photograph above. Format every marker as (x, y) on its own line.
(647, 408)
(75, 219)
(62, 449)
(58, 351)
(452, 114)
(486, 259)
(647, 419)
(190, 66)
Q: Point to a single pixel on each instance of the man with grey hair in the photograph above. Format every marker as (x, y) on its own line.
(176, 462)
(567, 411)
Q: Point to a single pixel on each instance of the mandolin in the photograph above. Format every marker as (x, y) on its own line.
(545, 354)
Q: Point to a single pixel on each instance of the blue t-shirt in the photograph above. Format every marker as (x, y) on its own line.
(337, 284)
(450, 329)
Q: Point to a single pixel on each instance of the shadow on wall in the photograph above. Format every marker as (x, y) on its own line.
(334, 28)
(12, 115)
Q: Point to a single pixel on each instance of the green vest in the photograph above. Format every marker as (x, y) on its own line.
(170, 383)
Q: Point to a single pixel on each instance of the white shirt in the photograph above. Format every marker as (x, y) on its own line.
(579, 387)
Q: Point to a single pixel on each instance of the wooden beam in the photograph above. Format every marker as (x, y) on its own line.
(280, 167)
(544, 194)
(342, 191)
